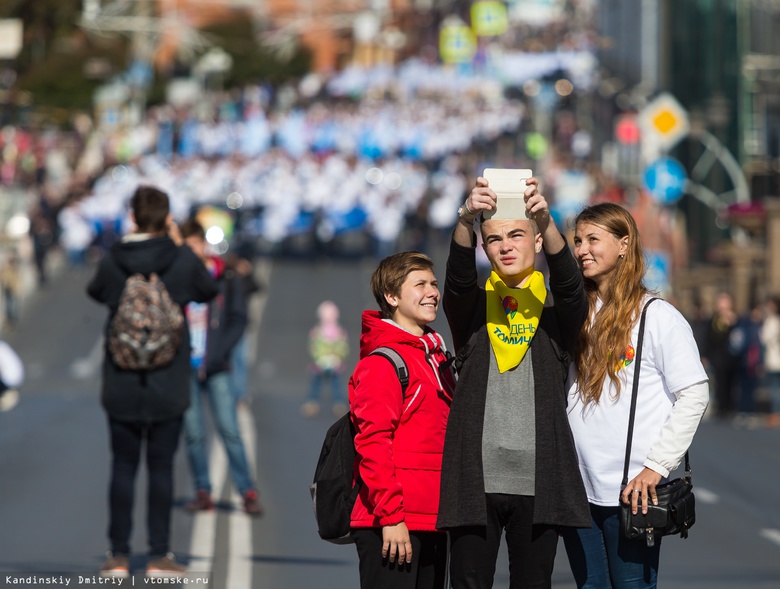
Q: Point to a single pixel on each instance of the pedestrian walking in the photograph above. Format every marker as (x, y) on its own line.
(399, 436)
(216, 328)
(671, 400)
(42, 234)
(721, 356)
(747, 346)
(508, 422)
(11, 284)
(145, 408)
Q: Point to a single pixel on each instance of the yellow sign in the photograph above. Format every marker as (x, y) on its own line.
(664, 121)
(457, 44)
(488, 18)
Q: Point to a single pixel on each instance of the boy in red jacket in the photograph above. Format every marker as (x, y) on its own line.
(400, 437)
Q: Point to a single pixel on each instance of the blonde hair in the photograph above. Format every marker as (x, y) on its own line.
(607, 333)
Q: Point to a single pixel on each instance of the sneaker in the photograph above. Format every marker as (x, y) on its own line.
(202, 502)
(252, 503)
(165, 567)
(340, 409)
(9, 399)
(310, 408)
(115, 567)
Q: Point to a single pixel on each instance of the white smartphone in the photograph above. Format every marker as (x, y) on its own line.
(509, 186)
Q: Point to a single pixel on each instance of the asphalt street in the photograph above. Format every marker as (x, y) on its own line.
(54, 459)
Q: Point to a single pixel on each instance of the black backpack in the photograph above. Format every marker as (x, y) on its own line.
(332, 492)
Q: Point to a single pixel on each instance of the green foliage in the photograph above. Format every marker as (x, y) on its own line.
(43, 21)
(50, 66)
(59, 79)
(253, 62)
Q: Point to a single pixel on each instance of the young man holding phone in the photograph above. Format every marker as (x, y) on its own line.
(509, 460)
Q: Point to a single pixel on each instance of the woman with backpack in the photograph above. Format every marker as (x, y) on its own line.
(400, 434)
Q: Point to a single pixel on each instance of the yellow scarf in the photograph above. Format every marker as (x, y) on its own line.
(512, 317)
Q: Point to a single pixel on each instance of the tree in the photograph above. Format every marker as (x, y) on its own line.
(252, 62)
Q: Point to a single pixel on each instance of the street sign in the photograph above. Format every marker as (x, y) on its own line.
(657, 271)
(664, 121)
(627, 130)
(457, 43)
(665, 179)
(488, 18)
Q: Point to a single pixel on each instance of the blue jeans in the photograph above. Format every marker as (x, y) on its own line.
(601, 558)
(218, 390)
(239, 369)
(337, 394)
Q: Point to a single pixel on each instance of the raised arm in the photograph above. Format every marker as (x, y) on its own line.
(538, 209)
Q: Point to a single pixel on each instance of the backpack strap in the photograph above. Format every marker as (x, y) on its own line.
(398, 362)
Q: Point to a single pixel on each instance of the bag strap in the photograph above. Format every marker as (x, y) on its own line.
(398, 362)
(634, 392)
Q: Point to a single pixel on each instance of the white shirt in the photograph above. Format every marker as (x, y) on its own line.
(770, 337)
(670, 366)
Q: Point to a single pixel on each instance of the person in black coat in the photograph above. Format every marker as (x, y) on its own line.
(146, 406)
(509, 459)
(720, 354)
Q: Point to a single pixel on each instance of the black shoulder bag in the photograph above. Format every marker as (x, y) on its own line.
(675, 512)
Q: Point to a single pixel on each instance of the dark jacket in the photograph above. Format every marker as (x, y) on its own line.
(560, 495)
(164, 393)
(227, 320)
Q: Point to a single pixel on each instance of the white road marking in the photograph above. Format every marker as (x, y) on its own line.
(204, 528)
(705, 495)
(771, 535)
(87, 367)
(239, 566)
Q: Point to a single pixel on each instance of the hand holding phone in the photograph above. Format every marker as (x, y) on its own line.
(509, 186)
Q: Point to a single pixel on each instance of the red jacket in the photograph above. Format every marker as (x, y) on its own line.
(400, 439)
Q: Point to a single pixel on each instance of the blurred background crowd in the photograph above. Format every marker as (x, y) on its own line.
(350, 129)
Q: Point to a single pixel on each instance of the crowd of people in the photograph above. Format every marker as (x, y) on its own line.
(324, 169)
(742, 353)
(396, 143)
(326, 164)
